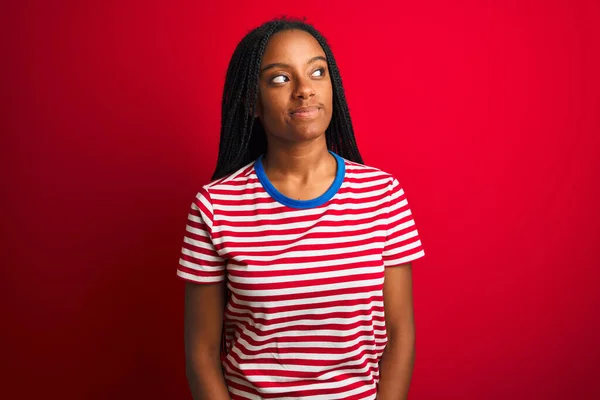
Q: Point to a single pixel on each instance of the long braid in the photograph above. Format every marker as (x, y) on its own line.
(243, 137)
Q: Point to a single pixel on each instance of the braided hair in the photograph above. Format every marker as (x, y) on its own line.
(243, 137)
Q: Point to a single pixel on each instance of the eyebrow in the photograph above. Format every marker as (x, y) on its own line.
(282, 65)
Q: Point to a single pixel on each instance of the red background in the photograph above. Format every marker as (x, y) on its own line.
(487, 113)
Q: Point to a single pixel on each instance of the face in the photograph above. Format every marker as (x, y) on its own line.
(295, 93)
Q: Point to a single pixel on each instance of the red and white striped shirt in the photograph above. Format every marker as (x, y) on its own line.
(304, 317)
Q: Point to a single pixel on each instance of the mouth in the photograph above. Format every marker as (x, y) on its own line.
(305, 112)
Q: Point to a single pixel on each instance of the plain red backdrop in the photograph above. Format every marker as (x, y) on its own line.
(486, 111)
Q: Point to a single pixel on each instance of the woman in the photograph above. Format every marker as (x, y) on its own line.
(288, 248)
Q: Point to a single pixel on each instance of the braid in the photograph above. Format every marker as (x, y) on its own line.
(243, 138)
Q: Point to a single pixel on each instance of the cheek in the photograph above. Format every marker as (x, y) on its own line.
(273, 113)
(328, 101)
(272, 106)
(327, 95)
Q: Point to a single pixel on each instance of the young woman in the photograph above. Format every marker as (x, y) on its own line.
(296, 256)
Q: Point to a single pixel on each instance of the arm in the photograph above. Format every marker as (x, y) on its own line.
(204, 307)
(397, 362)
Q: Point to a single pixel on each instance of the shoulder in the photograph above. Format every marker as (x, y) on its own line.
(362, 173)
(236, 179)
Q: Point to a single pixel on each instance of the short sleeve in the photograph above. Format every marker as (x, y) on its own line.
(402, 243)
(199, 260)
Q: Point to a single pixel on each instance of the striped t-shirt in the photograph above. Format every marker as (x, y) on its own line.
(304, 317)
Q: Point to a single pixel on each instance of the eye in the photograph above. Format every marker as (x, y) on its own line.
(280, 79)
(321, 72)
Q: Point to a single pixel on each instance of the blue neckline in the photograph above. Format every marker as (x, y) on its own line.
(312, 203)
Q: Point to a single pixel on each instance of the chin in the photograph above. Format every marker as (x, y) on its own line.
(307, 131)
(308, 134)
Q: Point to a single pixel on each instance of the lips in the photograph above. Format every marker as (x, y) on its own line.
(305, 112)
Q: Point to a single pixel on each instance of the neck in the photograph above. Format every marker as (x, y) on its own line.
(298, 160)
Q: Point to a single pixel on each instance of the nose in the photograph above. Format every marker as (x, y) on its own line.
(304, 89)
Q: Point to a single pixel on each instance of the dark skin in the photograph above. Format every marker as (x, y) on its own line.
(295, 107)
(396, 365)
(203, 318)
(294, 75)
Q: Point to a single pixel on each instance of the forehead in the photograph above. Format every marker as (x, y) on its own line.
(291, 46)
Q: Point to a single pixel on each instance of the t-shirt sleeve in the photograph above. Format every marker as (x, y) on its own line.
(199, 260)
(402, 243)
